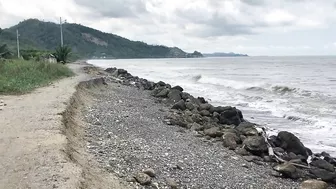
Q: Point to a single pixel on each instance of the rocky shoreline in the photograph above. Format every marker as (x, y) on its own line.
(133, 133)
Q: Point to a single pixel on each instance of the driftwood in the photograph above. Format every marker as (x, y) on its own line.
(275, 155)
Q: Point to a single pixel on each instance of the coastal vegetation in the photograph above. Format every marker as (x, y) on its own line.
(21, 76)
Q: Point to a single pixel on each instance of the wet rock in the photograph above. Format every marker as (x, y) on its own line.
(171, 183)
(247, 128)
(174, 95)
(149, 172)
(242, 151)
(323, 174)
(161, 83)
(179, 88)
(143, 178)
(205, 113)
(290, 143)
(230, 116)
(323, 164)
(163, 93)
(313, 184)
(287, 170)
(180, 105)
(213, 132)
(255, 144)
(230, 140)
(185, 96)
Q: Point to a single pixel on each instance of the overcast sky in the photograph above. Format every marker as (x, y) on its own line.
(255, 27)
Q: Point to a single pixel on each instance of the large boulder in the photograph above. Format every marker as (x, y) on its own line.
(174, 95)
(205, 113)
(313, 184)
(179, 88)
(230, 140)
(230, 116)
(190, 106)
(247, 128)
(323, 174)
(205, 106)
(180, 105)
(256, 145)
(163, 93)
(290, 143)
(323, 164)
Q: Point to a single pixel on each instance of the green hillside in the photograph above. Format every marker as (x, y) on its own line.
(84, 41)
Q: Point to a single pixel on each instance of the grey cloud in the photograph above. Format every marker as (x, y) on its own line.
(115, 8)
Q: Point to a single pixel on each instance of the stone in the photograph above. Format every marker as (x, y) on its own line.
(245, 165)
(205, 113)
(196, 127)
(180, 105)
(292, 155)
(150, 172)
(230, 116)
(215, 115)
(323, 164)
(230, 140)
(171, 183)
(323, 174)
(205, 106)
(143, 178)
(313, 184)
(290, 143)
(255, 144)
(197, 118)
(231, 133)
(241, 151)
(178, 120)
(179, 88)
(213, 132)
(267, 159)
(220, 109)
(174, 95)
(201, 100)
(163, 93)
(130, 179)
(287, 170)
(190, 106)
(252, 158)
(278, 150)
(247, 128)
(161, 83)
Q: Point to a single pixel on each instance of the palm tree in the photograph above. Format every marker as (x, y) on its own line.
(62, 54)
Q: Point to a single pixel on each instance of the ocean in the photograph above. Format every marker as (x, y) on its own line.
(295, 94)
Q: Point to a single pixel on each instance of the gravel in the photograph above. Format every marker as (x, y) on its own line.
(131, 137)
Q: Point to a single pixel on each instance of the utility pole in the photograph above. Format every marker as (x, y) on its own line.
(61, 32)
(18, 43)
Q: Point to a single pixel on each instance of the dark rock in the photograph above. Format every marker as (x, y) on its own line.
(274, 141)
(255, 144)
(179, 88)
(233, 133)
(150, 172)
(205, 113)
(185, 96)
(171, 183)
(178, 120)
(174, 95)
(325, 154)
(190, 106)
(163, 93)
(290, 143)
(230, 140)
(241, 151)
(243, 137)
(279, 150)
(267, 159)
(292, 155)
(229, 117)
(161, 83)
(205, 106)
(221, 109)
(213, 132)
(201, 100)
(156, 91)
(323, 164)
(143, 178)
(212, 109)
(309, 151)
(196, 127)
(313, 184)
(110, 70)
(215, 115)
(247, 128)
(287, 170)
(323, 174)
(180, 105)
(168, 86)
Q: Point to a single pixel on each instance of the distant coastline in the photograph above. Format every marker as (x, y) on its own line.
(222, 54)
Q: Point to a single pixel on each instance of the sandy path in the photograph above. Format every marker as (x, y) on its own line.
(31, 141)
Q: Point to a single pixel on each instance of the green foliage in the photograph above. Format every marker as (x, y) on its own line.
(4, 52)
(32, 54)
(19, 76)
(85, 42)
(62, 54)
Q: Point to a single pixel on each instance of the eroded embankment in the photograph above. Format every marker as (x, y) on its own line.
(74, 130)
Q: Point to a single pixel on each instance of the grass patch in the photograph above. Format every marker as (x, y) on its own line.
(19, 76)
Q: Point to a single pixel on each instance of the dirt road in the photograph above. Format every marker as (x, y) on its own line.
(31, 140)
